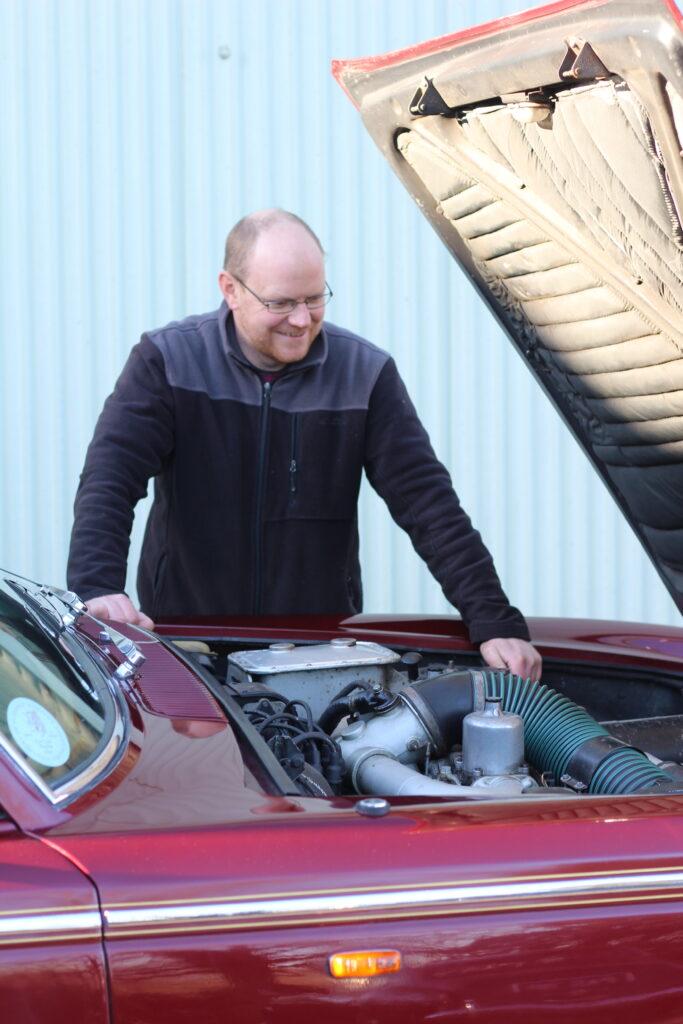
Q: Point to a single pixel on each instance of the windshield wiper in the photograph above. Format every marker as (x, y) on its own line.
(39, 600)
(128, 648)
(48, 618)
(72, 602)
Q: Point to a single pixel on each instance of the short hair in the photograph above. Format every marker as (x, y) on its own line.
(243, 236)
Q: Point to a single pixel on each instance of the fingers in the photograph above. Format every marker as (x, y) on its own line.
(144, 621)
(120, 608)
(517, 656)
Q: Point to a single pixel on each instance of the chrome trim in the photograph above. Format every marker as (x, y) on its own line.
(466, 898)
(25, 768)
(67, 925)
(108, 756)
(49, 926)
(111, 754)
(105, 759)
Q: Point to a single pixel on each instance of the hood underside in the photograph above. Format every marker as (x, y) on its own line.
(545, 149)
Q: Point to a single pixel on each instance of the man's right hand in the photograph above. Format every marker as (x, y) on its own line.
(119, 607)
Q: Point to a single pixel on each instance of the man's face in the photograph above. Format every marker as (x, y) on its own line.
(285, 263)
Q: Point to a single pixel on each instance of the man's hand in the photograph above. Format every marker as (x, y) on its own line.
(517, 656)
(119, 607)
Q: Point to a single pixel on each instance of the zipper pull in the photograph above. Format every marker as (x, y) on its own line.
(292, 452)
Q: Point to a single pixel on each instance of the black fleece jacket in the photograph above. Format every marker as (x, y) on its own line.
(256, 484)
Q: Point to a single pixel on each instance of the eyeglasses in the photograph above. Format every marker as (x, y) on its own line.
(281, 306)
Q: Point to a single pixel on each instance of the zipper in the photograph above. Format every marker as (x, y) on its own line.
(292, 453)
(260, 488)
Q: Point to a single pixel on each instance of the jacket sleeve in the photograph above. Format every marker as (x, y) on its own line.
(403, 469)
(133, 439)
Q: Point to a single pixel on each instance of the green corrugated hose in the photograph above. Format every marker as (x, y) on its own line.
(555, 728)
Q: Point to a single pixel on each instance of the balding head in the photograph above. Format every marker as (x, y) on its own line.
(242, 239)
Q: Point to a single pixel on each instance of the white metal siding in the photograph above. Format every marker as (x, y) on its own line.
(134, 134)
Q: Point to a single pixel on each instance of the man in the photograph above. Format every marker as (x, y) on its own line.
(256, 423)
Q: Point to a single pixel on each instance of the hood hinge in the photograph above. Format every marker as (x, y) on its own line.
(428, 100)
(581, 61)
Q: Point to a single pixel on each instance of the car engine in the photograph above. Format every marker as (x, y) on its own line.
(354, 717)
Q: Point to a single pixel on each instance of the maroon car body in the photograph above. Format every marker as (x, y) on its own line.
(179, 838)
(182, 884)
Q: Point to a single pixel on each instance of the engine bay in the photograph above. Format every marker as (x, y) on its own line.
(352, 717)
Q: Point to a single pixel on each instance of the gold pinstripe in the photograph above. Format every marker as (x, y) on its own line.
(340, 906)
(364, 904)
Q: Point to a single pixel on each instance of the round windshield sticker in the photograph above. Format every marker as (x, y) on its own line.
(37, 732)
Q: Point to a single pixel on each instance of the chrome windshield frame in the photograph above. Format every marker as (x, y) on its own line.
(76, 785)
(88, 666)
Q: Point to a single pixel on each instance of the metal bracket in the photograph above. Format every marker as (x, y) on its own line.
(428, 100)
(581, 61)
(572, 783)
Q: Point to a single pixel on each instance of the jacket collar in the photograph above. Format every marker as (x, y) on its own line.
(316, 356)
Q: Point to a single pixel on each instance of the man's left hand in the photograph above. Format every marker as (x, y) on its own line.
(517, 656)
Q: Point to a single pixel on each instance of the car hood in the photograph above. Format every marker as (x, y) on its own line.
(545, 149)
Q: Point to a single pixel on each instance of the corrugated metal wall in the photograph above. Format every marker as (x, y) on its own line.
(135, 132)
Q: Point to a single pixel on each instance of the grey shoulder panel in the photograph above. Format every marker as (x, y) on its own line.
(342, 381)
(339, 373)
(196, 359)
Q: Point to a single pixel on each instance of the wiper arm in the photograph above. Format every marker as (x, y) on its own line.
(128, 648)
(48, 618)
(40, 603)
(69, 599)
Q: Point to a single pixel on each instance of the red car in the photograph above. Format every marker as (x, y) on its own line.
(353, 820)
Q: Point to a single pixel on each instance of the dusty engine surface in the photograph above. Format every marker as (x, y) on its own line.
(355, 717)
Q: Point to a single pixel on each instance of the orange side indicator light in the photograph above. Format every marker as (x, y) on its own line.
(364, 963)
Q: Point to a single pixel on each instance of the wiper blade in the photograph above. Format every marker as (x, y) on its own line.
(48, 618)
(40, 600)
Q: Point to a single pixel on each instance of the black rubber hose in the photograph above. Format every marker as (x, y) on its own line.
(363, 702)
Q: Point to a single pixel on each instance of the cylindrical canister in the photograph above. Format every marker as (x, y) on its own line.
(492, 740)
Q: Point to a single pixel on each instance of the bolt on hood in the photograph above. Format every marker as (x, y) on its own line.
(545, 149)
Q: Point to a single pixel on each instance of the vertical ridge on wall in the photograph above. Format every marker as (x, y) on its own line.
(136, 132)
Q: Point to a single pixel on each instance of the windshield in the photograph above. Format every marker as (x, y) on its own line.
(53, 718)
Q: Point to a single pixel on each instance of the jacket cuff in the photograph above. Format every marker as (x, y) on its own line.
(479, 632)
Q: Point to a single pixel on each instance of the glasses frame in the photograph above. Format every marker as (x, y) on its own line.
(291, 303)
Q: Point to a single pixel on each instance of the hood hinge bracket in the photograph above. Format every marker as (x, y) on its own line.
(581, 62)
(428, 100)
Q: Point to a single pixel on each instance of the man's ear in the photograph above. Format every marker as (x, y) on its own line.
(228, 287)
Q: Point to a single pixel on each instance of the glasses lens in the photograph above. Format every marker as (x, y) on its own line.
(289, 305)
(317, 301)
(285, 306)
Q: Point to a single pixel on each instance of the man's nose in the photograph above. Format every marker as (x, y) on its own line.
(300, 315)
